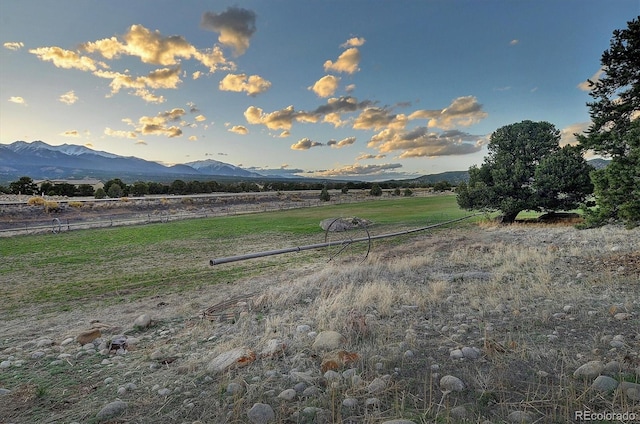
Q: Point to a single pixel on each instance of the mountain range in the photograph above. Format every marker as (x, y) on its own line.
(40, 160)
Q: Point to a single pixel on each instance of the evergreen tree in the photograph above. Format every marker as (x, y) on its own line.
(324, 195)
(615, 129)
(376, 190)
(24, 185)
(518, 153)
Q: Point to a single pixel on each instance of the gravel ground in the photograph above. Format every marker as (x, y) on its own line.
(490, 324)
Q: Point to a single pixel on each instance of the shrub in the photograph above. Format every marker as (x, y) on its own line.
(324, 195)
(76, 204)
(115, 191)
(51, 206)
(36, 201)
(376, 190)
(100, 194)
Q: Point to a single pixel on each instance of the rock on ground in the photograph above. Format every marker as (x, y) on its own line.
(604, 383)
(143, 321)
(261, 413)
(590, 370)
(329, 340)
(237, 357)
(631, 390)
(112, 410)
(519, 417)
(451, 384)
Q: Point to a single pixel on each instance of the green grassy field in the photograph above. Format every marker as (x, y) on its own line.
(119, 264)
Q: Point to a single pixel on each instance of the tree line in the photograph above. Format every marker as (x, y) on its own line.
(116, 187)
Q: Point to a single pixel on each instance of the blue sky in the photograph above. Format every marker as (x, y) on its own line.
(370, 90)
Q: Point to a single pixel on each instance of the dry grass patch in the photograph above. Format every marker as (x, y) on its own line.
(534, 302)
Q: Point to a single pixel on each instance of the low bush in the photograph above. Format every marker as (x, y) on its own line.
(36, 201)
(76, 204)
(51, 206)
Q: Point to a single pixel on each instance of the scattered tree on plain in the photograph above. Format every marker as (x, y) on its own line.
(85, 190)
(442, 186)
(376, 190)
(324, 195)
(518, 153)
(615, 129)
(100, 193)
(139, 189)
(115, 191)
(123, 189)
(24, 185)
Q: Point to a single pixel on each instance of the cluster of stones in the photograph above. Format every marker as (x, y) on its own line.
(324, 365)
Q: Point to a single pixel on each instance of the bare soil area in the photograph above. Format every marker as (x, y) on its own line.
(485, 324)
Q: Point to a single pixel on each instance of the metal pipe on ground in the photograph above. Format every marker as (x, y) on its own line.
(255, 255)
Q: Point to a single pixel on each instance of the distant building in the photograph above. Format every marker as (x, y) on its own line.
(96, 184)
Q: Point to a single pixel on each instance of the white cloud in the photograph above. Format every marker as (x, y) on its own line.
(159, 78)
(375, 118)
(463, 111)
(325, 86)
(342, 143)
(18, 100)
(586, 86)
(152, 125)
(154, 48)
(514, 42)
(200, 118)
(365, 156)
(305, 144)
(174, 114)
(120, 134)
(353, 42)
(252, 85)
(239, 129)
(70, 133)
(13, 45)
(357, 170)
(278, 120)
(151, 47)
(420, 142)
(347, 62)
(567, 134)
(66, 59)
(68, 98)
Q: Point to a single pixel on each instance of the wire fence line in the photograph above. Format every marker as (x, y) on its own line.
(60, 224)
